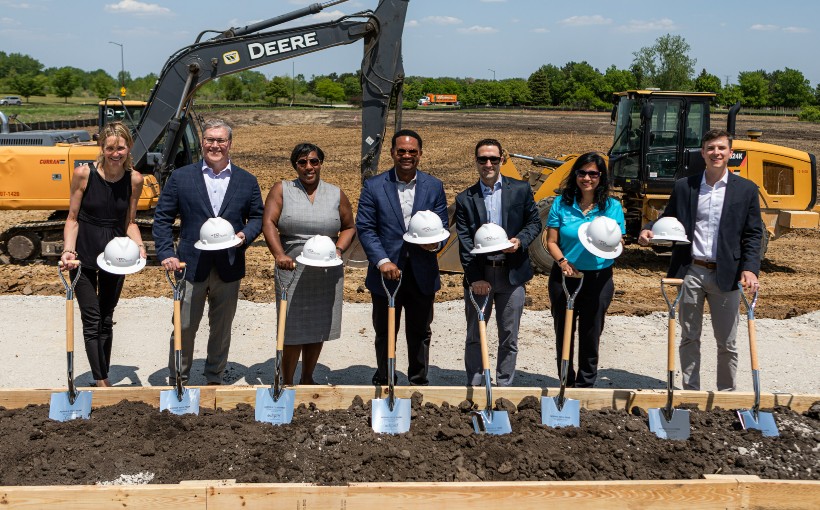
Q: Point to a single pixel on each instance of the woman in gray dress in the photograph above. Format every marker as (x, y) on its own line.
(295, 211)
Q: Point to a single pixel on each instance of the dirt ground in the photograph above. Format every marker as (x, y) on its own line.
(134, 443)
(264, 139)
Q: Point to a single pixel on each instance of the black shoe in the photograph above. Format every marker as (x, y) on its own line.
(382, 381)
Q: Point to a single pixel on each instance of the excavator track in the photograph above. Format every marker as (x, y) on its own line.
(43, 241)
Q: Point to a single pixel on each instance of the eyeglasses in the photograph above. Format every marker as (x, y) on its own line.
(482, 160)
(593, 174)
(217, 141)
(409, 152)
(304, 161)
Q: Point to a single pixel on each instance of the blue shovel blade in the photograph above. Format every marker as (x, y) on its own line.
(676, 428)
(63, 410)
(568, 416)
(386, 421)
(189, 404)
(276, 412)
(764, 423)
(492, 422)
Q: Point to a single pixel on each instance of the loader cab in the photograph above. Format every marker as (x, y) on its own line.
(657, 139)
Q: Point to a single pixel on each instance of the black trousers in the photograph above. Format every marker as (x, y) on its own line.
(97, 293)
(418, 310)
(589, 311)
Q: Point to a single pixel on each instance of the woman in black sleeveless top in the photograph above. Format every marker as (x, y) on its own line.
(103, 205)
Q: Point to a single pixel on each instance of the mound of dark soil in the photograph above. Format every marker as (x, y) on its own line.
(337, 447)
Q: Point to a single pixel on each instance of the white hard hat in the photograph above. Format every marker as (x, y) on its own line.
(601, 237)
(319, 251)
(490, 238)
(217, 234)
(425, 228)
(668, 230)
(121, 256)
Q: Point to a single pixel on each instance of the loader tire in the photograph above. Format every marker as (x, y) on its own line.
(540, 259)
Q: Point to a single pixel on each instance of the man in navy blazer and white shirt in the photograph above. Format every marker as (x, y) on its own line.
(387, 202)
(720, 212)
(508, 203)
(208, 189)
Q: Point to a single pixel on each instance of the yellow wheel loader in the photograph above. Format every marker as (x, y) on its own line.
(657, 140)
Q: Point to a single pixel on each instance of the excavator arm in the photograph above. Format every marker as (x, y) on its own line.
(240, 49)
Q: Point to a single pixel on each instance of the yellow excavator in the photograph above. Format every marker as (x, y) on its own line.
(36, 166)
(657, 141)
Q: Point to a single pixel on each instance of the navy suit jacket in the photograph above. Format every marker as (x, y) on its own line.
(519, 218)
(380, 227)
(185, 195)
(739, 235)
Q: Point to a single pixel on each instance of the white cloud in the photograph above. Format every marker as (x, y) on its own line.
(411, 23)
(9, 22)
(796, 30)
(135, 7)
(653, 25)
(763, 28)
(540, 30)
(475, 29)
(443, 20)
(327, 15)
(583, 21)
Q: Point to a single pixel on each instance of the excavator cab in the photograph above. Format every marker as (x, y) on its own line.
(657, 141)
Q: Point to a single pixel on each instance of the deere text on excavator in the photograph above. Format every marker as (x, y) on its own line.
(36, 166)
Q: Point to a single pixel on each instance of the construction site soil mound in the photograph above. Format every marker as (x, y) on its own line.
(132, 442)
(263, 139)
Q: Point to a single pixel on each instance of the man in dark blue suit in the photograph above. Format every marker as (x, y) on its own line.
(720, 212)
(195, 193)
(508, 203)
(387, 202)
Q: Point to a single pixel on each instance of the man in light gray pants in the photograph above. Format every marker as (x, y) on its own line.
(508, 203)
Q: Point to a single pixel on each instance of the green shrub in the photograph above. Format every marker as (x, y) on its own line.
(809, 114)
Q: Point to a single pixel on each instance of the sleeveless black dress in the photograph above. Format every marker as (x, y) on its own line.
(103, 215)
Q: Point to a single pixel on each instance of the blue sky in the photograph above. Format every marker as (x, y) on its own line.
(461, 38)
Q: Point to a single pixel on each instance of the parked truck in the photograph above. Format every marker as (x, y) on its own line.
(449, 99)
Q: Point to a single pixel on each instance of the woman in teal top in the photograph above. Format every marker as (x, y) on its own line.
(585, 195)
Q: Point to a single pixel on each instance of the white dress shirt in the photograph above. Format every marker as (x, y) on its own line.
(707, 219)
(217, 185)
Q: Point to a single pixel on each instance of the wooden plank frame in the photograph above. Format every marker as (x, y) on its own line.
(714, 491)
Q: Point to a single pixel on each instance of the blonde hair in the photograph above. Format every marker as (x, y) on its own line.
(118, 130)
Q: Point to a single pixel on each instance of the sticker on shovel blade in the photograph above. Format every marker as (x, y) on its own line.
(568, 416)
(386, 421)
(189, 404)
(276, 412)
(62, 410)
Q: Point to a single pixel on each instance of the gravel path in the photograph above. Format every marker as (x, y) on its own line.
(633, 349)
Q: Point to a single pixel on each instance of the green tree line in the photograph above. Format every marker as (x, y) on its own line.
(666, 65)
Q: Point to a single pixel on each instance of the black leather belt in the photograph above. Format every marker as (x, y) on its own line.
(703, 263)
(495, 263)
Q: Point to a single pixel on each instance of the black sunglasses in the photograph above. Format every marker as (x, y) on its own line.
(492, 159)
(313, 161)
(411, 152)
(592, 173)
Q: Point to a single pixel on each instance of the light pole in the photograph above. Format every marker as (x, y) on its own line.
(492, 71)
(122, 66)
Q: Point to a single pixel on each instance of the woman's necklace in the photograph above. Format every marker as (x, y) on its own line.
(586, 207)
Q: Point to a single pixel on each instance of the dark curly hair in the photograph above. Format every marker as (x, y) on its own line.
(570, 192)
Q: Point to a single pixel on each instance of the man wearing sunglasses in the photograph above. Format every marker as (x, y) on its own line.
(208, 189)
(387, 202)
(509, 203)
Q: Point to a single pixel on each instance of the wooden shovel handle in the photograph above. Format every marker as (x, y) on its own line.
(671, 281)
(670, 346)
(568, 318)
(753, 345)
(280, 325)
(177, 325)
(69, 325)
(391, 332)
(482, 335)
